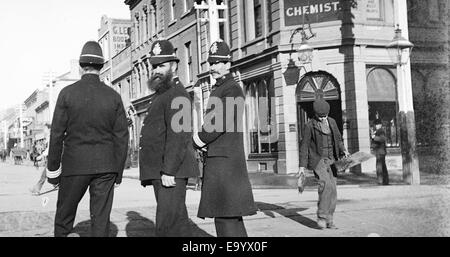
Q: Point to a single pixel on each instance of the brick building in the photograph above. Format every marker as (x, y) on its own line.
(350, 67)
(157, 19)
(429, 26)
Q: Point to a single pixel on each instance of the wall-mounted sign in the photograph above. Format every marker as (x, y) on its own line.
(292, 128)
(119, 37)
(373, 9)
(298, 12)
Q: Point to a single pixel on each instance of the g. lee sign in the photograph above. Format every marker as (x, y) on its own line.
(297, 12)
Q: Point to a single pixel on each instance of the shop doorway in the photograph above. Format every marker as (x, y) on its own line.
(316, 85)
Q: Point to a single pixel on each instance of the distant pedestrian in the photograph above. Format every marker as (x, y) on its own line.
(88, 146)
(320, 147)
(36, 190)
(166, 156)
(226, 191)
(379, 147)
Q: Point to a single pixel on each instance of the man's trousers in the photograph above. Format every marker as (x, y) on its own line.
(327, 190)
(382, 173)
(230, 227)
(171, 214)
(71, 191)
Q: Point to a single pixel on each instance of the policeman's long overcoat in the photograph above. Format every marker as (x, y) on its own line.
(226, 189)
(89, 132)
(163, 147)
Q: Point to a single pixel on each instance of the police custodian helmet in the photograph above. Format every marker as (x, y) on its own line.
(162, 51)
(92, 55)
(219, 52)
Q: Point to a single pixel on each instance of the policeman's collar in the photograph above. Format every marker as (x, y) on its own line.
(222, 79)
(90, 76)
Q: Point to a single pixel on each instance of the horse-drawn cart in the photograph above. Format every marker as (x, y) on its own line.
(19, 154)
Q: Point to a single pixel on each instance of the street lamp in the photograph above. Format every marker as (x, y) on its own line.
(305, 55)
(399, 49)
(305, 51)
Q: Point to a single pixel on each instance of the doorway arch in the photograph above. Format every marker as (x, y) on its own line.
(317, 85)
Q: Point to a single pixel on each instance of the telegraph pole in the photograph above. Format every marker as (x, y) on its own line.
(212, 7)
(5, 135)
(21, 125)
(48, 78)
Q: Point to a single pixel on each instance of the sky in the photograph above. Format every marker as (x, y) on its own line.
(39, 36)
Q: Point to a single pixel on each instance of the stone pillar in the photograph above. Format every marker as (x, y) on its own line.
(286, 111)
(355, 103)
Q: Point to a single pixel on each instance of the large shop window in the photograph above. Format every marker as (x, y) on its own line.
(260, 116)
(382, 99)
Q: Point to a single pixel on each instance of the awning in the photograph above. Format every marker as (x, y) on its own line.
(381, 86)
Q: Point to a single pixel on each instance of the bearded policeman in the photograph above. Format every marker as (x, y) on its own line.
(166, 156)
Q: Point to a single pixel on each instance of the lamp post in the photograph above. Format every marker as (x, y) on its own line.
(399, 49)
(305, 55)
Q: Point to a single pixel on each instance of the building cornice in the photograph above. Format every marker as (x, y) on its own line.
(132, 3)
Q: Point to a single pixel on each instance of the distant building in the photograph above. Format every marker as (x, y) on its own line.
(33, 123)
(113, 38)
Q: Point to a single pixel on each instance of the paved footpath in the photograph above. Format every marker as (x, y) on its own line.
(362, 210)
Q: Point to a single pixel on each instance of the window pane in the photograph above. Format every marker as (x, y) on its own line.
(258, 18)
(252, 120)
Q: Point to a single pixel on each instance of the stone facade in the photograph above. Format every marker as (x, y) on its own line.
(429, 31)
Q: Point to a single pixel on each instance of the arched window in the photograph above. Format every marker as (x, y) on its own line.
(317, 85)
(382, 100)
(260, 115)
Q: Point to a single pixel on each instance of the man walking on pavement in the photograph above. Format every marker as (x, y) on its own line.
(166, 155)
(88, 146)
(320, 147)
(226, 191)
(379, 146)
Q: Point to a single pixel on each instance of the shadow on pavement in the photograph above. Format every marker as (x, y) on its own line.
(139, 226)
(83, 229)
(268, 209)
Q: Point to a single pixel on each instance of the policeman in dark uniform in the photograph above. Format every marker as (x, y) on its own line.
(88, 146)
(226, 191)
(320, 147)
(166, 157)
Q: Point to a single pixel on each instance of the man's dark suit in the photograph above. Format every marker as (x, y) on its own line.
(89, 139)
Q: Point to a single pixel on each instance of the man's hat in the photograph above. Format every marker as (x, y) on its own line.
(219, 52)
(321, 107)
(91, 54)
(162, 51)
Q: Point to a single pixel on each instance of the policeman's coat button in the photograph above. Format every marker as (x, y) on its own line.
(140, 148)
(140, 136)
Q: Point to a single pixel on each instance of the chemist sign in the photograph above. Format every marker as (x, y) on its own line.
(298, 12)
